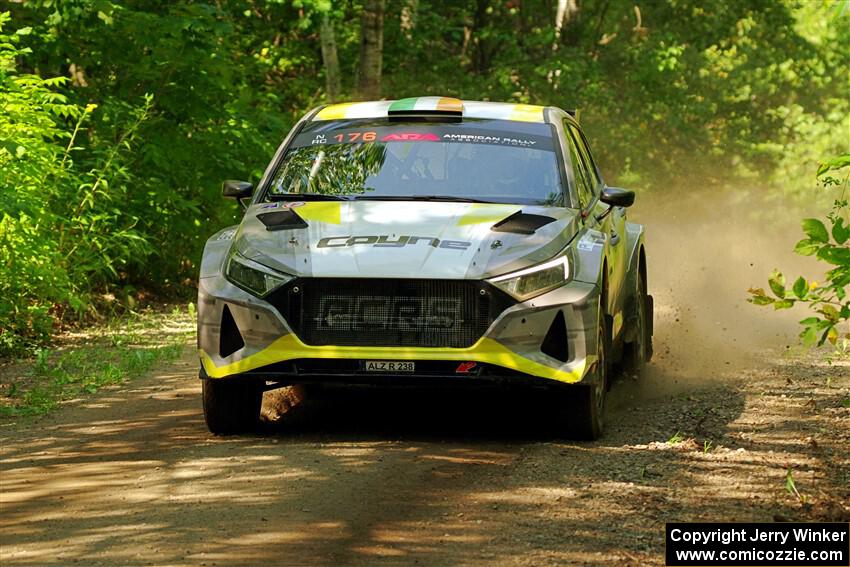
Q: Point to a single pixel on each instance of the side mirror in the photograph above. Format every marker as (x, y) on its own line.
(237, 189)
(617, 197)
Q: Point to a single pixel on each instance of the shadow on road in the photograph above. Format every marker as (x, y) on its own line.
(429, 477)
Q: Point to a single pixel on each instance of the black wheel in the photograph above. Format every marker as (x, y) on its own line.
(638, 351)
(231, 406)
(586, 402)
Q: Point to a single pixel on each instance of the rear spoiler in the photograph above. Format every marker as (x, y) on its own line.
(573, 112)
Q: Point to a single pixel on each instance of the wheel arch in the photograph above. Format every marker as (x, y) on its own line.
(635, 236)
(642, 263)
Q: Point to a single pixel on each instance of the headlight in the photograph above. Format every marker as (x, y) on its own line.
(253, 276)
(535, 280)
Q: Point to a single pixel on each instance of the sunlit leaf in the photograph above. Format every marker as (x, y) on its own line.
(840, 232)
(801, 288)
(815, 230)
(839, 256)
(830, 312)
(833, 163)
(777, 284)
(807, 247)
(809, 336)
(832, 335)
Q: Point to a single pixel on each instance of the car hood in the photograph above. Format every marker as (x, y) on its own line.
(399, 239)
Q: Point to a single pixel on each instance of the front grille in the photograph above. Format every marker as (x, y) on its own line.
(389, 312)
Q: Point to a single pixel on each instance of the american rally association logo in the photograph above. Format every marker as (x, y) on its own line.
(484, 139)
(411, 137)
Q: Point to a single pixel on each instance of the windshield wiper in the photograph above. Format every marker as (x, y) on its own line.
(451, 198)
(306, 197)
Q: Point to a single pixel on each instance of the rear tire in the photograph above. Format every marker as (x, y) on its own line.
(639, 351)
(231, 406)
(586, 402)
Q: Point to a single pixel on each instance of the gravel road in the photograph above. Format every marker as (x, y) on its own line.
(130, 476)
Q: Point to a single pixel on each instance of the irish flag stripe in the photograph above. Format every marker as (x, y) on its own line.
(445, 104)
(449, 104)
(403, 105)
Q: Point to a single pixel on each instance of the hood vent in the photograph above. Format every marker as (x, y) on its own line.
(521, 223)
(282, 220)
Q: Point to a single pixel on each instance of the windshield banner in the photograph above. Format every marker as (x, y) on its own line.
(431, 133)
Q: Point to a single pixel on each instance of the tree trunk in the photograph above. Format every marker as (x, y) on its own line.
(481, 59)
(330, 59)
(567, 11)
(407, 19)
(371, 50)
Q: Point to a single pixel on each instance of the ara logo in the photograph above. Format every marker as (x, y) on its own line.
(384, 241)
(411, 137)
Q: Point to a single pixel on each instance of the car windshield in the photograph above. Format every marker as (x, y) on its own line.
(476, 160)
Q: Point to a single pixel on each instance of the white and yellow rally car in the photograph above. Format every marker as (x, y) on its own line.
(425, 240)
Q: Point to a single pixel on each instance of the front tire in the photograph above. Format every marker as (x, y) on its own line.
(586, 402)
(231, 406)
(639, 351)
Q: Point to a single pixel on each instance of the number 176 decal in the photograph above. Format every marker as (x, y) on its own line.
(357, 136)
(372, 136)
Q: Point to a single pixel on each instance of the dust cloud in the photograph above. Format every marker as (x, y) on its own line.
(704, 250)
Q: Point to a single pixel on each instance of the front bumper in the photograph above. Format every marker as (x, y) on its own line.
(510, 349)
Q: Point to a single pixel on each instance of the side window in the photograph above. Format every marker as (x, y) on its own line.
(580, 173)
(583, 145)
(591, 176)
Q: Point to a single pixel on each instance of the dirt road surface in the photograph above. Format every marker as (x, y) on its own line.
(131, 476)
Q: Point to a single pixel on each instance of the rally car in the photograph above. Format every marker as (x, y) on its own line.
(425, 241)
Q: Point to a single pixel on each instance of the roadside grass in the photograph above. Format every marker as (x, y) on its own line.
(676, 438)
(82, 362)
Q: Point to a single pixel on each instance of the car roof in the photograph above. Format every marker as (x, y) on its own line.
(433, 104)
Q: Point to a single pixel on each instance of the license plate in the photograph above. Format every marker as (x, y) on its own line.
(389, 366)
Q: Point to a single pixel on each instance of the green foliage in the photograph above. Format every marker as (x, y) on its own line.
(126, 348)
(829, 299)
(29, 149)
(119, 119)
(63, 231)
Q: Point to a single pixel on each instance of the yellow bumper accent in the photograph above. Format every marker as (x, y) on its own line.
(289, 347)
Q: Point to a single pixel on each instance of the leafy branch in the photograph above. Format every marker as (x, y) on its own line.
(827, 242)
